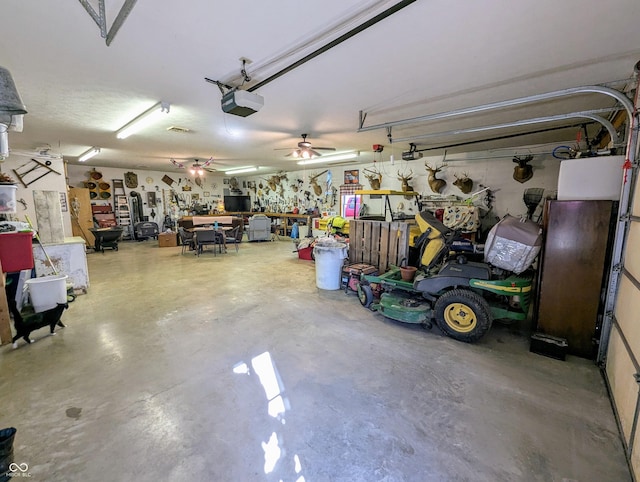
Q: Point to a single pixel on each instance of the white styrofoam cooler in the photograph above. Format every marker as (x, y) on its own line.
(590, 178)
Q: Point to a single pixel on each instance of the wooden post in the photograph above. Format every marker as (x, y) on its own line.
(5, 322)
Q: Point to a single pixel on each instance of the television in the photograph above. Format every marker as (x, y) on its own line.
(237, 203)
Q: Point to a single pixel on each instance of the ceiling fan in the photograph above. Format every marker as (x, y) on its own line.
(306, 151)
(196, 169)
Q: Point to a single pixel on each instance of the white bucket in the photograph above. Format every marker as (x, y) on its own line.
(8, 198)
(329, 261)
(46, 292)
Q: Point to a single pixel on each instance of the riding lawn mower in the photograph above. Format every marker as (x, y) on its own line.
(462, 296)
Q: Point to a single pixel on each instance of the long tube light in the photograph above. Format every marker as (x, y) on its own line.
(240, 171)
(85, 156)
(143, 120)
(339, 157)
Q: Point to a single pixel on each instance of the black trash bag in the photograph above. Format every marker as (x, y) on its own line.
(6, 452)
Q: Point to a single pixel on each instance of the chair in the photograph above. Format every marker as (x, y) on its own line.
(209, 237)
(276, 229)
(233, 236)
(186, 238)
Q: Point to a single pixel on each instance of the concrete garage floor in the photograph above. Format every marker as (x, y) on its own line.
(237, 368)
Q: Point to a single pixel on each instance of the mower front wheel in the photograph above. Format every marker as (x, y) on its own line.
(365, 294)
(463, 315)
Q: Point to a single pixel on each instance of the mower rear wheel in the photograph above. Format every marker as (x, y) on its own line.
(463, 315)
(365, 294)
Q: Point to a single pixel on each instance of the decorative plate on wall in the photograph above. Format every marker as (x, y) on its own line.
(149, 180)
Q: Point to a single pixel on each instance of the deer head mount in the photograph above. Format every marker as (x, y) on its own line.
(282, 176)
(374, 177)
(405, 178)
(272, 183)
(523, 171)
(296, 186)
(314, 183)
(464, 183)
(435, 184)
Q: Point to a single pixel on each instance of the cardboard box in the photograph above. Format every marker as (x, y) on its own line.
(167, 240)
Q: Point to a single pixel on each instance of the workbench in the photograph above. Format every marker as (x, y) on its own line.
(287, 220)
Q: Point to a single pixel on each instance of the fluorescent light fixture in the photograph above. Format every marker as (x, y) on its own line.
(240, 171)
(339, 157)
(85, 156)
(143, 120)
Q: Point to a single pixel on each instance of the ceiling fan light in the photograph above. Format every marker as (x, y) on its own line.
(192, 171)
(306, 155)
(296, 153)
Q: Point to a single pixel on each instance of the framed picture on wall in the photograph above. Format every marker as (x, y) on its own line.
(352, 176)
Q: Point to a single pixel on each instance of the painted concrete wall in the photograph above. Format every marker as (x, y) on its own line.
(487, 169)
(50, 182)
(210, 191)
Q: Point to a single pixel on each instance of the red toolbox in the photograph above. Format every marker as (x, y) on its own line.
(101, 209)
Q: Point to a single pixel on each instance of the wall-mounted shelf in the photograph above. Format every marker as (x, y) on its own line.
(385, 193)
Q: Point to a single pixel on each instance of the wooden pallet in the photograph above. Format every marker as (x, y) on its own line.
(379, 243)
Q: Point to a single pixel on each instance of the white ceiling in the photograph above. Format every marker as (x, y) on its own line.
(431, 56)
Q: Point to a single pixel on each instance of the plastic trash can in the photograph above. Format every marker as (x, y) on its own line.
(47, 291)
(329, 257)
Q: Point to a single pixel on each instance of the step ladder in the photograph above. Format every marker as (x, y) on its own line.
(122, 209)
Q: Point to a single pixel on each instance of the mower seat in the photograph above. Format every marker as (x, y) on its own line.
(434, 240)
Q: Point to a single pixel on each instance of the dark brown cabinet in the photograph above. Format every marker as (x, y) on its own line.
(573, 270)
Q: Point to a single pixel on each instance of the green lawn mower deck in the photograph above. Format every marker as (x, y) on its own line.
(456, 304)
(403, 308)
